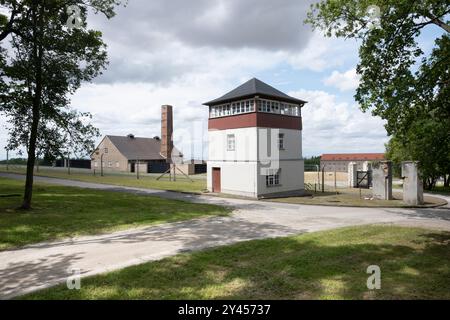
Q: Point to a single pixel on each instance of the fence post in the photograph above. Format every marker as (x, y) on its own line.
(68, 164)
(335, 181)
(323, 179)
(318, 174)
(137, 169)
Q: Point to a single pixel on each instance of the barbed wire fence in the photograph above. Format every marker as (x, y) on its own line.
(319, 179)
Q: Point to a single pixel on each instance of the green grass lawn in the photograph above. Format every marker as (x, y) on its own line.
(66, 211)
(351, 197)
(182, 184)
(415, 264)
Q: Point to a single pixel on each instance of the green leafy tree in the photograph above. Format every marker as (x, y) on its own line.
(45, 63)
(433, 158)
(312, 162)
(399, 81)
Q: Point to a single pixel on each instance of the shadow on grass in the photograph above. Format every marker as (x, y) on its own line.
(442, 214)
(60, 212)
(184, 236)
(328, 265)
(19, 275)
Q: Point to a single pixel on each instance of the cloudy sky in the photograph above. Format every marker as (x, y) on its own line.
(185, 53)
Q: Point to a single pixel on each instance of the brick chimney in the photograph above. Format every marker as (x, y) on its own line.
(166, 132)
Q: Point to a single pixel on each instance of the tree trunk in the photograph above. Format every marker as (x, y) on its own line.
(31, 159)
(425, 183)
(446, 180)
(37, 57)
(429, 183)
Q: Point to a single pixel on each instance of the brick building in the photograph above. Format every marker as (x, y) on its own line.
(124, 154)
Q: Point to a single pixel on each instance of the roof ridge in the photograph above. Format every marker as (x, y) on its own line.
(254, 87)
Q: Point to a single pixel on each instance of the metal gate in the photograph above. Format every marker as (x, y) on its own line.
(364, 179)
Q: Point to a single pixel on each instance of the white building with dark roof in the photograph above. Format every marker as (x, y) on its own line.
(255, 142)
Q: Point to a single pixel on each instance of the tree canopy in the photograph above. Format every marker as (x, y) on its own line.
(400, 81)
(45, 62)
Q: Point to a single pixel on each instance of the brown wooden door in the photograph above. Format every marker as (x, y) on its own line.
(216, 180)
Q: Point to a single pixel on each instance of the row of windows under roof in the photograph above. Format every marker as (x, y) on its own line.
(248, 106)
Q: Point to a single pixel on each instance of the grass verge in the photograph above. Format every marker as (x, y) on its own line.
(414, 263)
(67, 211)
(197, 185)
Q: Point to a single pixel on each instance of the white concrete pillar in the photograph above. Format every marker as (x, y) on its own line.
(382, 180)
(352, 174)
(366, 166)
(412, 184)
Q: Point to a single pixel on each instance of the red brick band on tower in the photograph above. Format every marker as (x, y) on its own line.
(255, 119)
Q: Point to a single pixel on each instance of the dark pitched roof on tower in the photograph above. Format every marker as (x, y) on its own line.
(252, 88)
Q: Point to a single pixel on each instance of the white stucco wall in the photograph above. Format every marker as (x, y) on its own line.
(241, 169)
(237, 178)
(292, 178)
(245, 145)
(292, 142)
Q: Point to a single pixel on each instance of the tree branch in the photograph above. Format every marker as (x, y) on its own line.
(8, 28)
(438, 22)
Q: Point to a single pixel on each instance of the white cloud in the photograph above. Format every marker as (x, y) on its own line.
(182, 53)
(322, 53)
(344, 81)
(329, 125)
(211, 23)
(333, 126)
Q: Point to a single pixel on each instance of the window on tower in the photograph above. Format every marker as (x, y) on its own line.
(273, 180)
(281, 141)
(271, 106)
(249, 105)
(231, 142)
(235, 108)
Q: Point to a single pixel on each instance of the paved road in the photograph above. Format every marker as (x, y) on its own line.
(46, 264)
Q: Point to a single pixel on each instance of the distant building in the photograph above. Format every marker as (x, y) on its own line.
(124, 154)
(339, 161)
(243, 126)
(73, 163)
